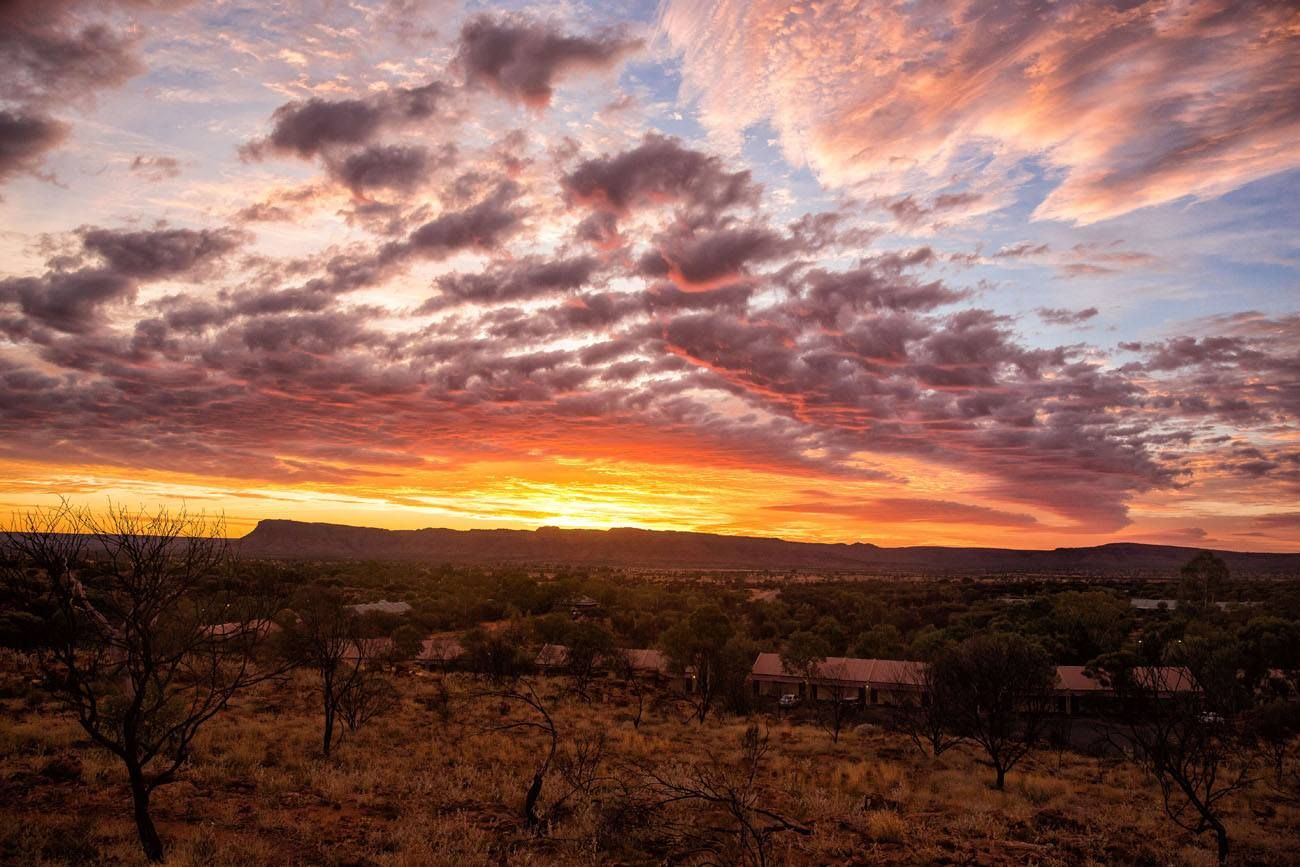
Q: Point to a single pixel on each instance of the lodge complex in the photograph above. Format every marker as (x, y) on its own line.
(863, 682)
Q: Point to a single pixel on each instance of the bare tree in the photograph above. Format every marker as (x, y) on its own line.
(1000, 687)
(927, 715)
(365, 693)
(840, 710)
(325, 636)
(625, 668)
(153, 634)
(716, 807)
(1198, 756)
(539, 720)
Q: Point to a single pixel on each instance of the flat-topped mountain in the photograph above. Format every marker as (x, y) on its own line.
(628, 547)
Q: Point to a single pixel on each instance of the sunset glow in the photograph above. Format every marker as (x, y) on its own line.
(954, 273)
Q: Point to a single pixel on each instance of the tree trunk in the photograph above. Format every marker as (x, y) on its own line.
(329, 728)
(149, 839)
(1221, 835)
(530, 801)
(1002, 777)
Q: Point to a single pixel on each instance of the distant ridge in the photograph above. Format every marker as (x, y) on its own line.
(628, 547)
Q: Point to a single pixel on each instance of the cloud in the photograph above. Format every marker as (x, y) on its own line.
(24, 140)
(157, 253)
(522, 61)
(156, 168)
(71, 299)
(891, 510)
(1061, 316)
(391, 167)
(525, 278)
(307, 127)
(660, 169)
(1129, 106)
(54, 56)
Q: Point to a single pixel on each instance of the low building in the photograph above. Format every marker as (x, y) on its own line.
(552, 657)
(440, 651)
(897, 682)
(584, 607)
(868, 681)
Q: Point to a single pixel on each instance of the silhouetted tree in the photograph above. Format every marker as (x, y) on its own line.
(698, 646)
(928, 715)
(1000, 687)
(1197, 755)
(1202, 579)
(325, 637)
(590, 645)
(151, 632)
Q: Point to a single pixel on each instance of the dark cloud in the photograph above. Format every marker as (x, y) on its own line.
(660, 169)
(483, 226)
(305, 128)
(391, 167)
(68, 301)
(24, 140)
(159, 253)
(702, 259)
(52, 56)
(71, 300)
(522, 61)
(525, 278)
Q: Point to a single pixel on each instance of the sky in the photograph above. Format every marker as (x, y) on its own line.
(1020, 274)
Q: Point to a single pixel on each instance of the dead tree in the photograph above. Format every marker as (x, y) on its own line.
(1197, 756)
(835, 714)
(325, 637)
(625, 668)
(540, 720)
(364, 694)
(716, 807)
(926, 715)
(153, 633)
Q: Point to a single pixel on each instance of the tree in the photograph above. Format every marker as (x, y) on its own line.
(151, 632)
(716, 806)
(1202, 579)
(928, 716)
(540, 720)
(1197, 756)
(590, 644)
(804, 656)
(698, 646)
(1000, 687)
(498, 653)
(325, 637)
(833, 715)
(1088, 624)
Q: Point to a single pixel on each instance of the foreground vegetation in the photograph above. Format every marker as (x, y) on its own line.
(441, 780)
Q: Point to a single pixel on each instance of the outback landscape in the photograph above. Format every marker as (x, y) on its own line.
(662, 432)
(398, 712)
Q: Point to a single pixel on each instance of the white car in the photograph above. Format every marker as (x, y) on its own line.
(789, 700)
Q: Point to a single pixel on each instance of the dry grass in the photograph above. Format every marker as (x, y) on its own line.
(412, 789)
